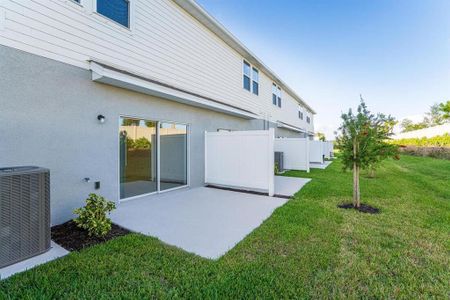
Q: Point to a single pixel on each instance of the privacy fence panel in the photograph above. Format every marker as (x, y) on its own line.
(242, 159)
(328, 149)
(316, 151)
(295, 152)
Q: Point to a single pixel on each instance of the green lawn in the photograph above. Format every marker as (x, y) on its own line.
(307, 249)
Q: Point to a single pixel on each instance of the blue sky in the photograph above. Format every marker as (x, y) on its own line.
(396, 53)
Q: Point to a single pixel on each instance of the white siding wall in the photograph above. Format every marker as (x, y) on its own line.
(165, 43)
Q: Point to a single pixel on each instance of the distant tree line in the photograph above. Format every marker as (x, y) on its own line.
(439, 114)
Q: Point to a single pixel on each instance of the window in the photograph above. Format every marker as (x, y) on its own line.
(247, 76)
(255, 80)
(300, 113)
(279, 97)
(274, 94)
(308, 119)
(250, 78)
(153, 156)
(116, 10)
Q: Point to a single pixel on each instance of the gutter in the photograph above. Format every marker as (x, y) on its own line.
(107, 74)
(201, 15)
(290, 127)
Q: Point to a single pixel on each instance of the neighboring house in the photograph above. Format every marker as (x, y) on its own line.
(78, 77)
(425, 132)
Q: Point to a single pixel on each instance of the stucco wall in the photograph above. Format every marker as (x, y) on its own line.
(48, 117)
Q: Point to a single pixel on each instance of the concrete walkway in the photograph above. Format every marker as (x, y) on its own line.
(319, 165)
(204, 221)
(55, 252)
(288, 186)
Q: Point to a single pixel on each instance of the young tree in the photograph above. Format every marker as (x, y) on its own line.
(321, 136)
(445, 109)
(363, 143)
(434, 116)
(408, 125)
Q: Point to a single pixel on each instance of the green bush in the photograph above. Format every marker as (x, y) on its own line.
(142, 143)
(92, 217)
(437, 141)
(435, 152)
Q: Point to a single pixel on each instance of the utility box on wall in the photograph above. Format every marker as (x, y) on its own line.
(24, 213)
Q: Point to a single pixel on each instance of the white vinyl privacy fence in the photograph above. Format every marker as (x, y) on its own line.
(295, 152)
(316, 151)
(328, 149)
(242, 159)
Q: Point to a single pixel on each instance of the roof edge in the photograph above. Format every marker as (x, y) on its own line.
(201, 15)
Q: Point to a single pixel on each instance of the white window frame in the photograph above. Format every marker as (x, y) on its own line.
(80, 2)
(254, 69)
(301, 114)
(274, 92)
(251, 78)
(244, 62)
(188, 157)
(278, 94)
(279, 97)
(111, 22)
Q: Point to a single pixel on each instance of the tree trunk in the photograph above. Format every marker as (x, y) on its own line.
(356, 194)
(371, 172)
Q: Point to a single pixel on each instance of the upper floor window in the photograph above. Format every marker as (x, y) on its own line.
(116, 10)
(255, 80)
(250, 78)
(308, 119)
(279, 97)
(246, 72)
(274, 94)
(300, 113)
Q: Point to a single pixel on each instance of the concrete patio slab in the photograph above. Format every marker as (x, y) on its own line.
(288, 186)
(319, 165)
(204, 221)
(56, 251)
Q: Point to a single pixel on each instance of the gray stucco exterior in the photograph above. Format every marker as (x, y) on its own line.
(49, 118)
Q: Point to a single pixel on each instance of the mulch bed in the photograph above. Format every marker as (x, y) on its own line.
(363, 208)
(73, 238)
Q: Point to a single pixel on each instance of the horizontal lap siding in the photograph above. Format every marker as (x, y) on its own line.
(166, 44)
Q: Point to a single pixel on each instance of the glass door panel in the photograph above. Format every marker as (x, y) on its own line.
(173, 155)
(138, 168)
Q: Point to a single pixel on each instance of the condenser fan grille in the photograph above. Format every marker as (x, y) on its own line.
(24, 213)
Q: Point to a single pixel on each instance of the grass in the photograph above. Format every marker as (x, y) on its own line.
(307, 249)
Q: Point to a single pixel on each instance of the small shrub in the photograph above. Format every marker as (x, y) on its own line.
(276, 169)
(142, 143)
(92, 217)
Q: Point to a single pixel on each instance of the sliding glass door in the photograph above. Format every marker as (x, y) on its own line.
(153, 156)
(173, 155)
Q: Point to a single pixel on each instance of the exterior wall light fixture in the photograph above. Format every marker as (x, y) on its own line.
(101, 119)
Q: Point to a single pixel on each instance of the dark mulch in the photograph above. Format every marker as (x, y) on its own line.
(363, 208)
(73, 238)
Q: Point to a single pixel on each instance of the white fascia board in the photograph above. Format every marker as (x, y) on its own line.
(127, 81)
(290, 127)
(201, 15)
